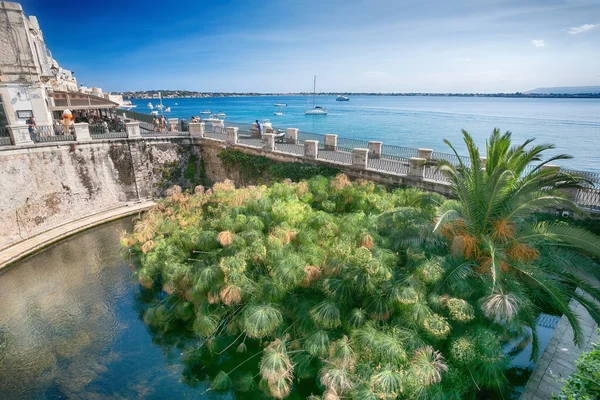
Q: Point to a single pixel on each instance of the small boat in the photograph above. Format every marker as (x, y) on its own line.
(220, 114)
(127, 105)
(159, 106)
(342, 98)
(205, 112)
(168, 109)
(150, 106)
(315, 110)
(280, 105)
(277, 113)
(176, 104)
(154, 112)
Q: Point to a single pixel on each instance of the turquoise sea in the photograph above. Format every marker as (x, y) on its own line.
(573, 125)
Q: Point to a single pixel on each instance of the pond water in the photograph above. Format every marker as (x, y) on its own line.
(71, 326)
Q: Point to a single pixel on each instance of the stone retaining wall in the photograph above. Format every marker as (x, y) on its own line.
(43, 186)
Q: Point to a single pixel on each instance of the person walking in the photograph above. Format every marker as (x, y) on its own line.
(155, 123)
(259, 127)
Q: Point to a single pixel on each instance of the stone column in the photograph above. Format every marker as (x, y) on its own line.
(311, 148)
(360, 158)
(173, 122)
(133, 130)
(375, 149)
(232, 134)
(416, 166)
(19, 134)
(82, 132)
(291, 135)
(331, 142)
(196, 129)
(269, 141)
(425, 153)
(483, 160)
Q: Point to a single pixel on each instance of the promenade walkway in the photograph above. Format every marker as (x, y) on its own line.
(558, 360)
(22, 249)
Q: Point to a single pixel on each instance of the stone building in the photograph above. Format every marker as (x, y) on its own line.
(32, 83)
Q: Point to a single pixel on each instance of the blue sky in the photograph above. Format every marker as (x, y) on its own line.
(351, 45)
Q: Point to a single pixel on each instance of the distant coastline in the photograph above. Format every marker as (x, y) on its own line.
(167, 94)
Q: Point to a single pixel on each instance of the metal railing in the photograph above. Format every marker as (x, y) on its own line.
(134, 115)
(4, 136)
(403, 153)
(55, 133)
(451, 158)
(150, 129)
(393, 158)
(389, 164)
(105, 130)
(346, 144)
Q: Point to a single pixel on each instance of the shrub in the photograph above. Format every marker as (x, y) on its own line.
(584, 383)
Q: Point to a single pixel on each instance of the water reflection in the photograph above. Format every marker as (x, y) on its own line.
(69, 327)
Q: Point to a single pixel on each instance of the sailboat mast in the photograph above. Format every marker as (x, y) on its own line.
(161, 107)
(314, 89)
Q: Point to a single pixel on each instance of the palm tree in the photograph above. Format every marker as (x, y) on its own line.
(522, 262)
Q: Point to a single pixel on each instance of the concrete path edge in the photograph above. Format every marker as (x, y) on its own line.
(20, 250)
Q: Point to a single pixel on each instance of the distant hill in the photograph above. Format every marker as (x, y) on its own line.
(566, 90)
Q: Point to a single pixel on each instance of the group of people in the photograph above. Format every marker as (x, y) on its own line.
(159, 124)
(195, 119)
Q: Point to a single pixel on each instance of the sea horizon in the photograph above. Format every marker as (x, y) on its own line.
(419, 121)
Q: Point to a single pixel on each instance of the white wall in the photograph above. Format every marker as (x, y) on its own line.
(20, 97)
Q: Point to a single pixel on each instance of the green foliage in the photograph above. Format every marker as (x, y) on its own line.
(183, 173)
(258, 169)
(584, 383)
(329, 281)
(510, 261)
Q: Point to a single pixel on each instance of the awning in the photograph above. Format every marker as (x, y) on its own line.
(79, 101)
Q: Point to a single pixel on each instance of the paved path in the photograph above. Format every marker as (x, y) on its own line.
(558, 360)
(41, 240)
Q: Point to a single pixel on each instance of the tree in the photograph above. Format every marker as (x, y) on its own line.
(521, 263)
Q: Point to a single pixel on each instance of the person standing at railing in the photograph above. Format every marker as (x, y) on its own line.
(163, 124)
(155, 123)
(32, 128)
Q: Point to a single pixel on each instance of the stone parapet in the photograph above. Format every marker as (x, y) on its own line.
(82, 132)
(425, 153)
(375, 149)
(331, 142)
(19, 135)
(360, 158)
(196, 129)
(133, 130)
(416, 167)
(311, 148)
(291, 135)
(232, 134)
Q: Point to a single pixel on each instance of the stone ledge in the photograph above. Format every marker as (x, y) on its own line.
(35, 243)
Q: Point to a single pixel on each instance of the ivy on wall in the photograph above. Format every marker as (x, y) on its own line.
(259, 169)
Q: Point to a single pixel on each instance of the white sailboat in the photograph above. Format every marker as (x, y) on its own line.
(315, 110)
(150, 106)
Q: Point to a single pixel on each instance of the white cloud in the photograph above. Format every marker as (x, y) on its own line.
(538, 43)
(574, 30)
